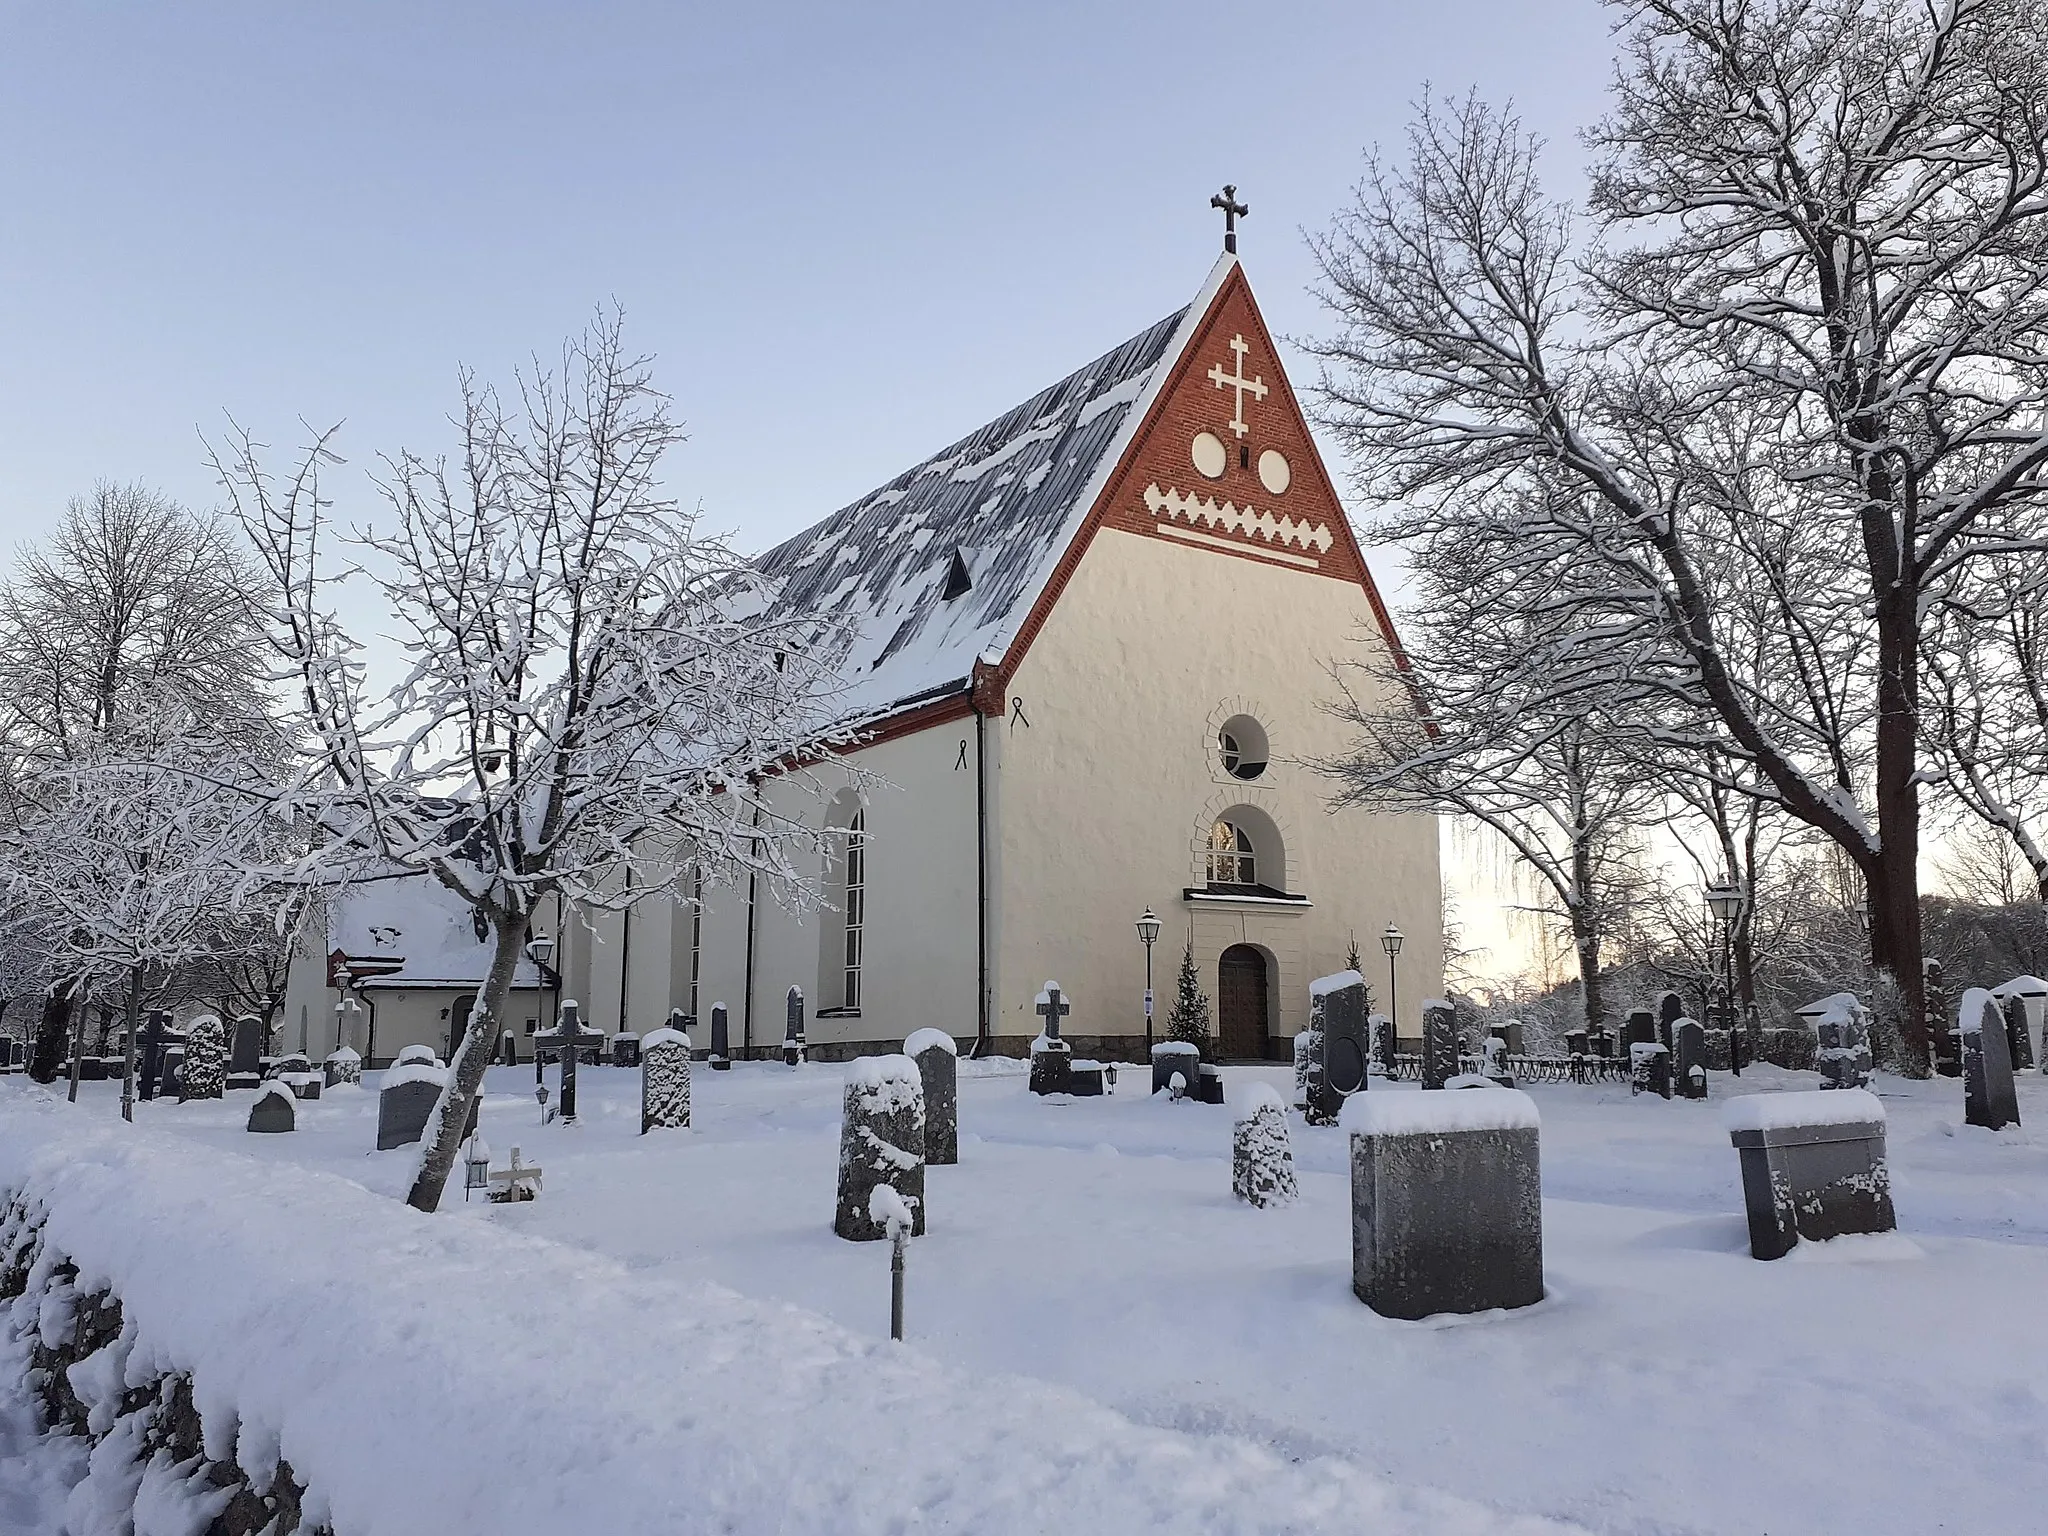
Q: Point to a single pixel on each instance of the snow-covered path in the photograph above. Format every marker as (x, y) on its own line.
(1668, 1384)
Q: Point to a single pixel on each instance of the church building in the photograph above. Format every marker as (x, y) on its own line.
(1096, 641)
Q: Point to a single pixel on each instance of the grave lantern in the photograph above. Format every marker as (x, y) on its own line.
(476, 1166)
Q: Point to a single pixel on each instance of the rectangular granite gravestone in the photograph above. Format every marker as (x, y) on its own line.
(405, 1100)
(1691, 1051)
(1946, 1042)
(938, 1071)
(245, 1054)
(1386, 1043)
(1446, 1201)
(1339, 1029)
(625, 1050)
(342, 1065)
(1989, 1098)
(1813, 1166)
(881, 1141)
(273, 1110)
(2019, 1039)
(1841, 1028)
(1208, 1083)
(1052, 1066)
(1085, 1078)
(1439, 1043)
(1649, 1069)
(793, 1029)
(721, 1046)
(172, 1083)
(1641, 1028)
(155, 1037)
(1176, 1056)
(664, 1081)
(1669, 1011)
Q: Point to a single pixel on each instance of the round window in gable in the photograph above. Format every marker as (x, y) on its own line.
(1242, 743)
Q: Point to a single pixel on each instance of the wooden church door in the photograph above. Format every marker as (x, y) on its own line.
(1241, 1003)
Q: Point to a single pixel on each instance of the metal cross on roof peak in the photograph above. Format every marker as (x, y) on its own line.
(1233, 210)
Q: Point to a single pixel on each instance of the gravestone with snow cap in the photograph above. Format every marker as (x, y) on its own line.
(625, 1049)
(793, 1029)
(1670, 1009)
(1841, 1028)
(245, 1059)
(664, 1081)
(938, 1072)
(1641, 1028)
(1649, 1069)
(881, 1141)
(1813, 1166)
(1989, 1098)
(1439, 1043)
(2031, 993)
(342, 1065)
(721, 1045)
(2018, 1038)
(204, 1073)
(1690, 1047)
(157, 1036)
(1052, 1059)
(273, 1110)
(406, 1097)
(1261, 1156)
(1446, 1201)
(1340, 1040)
(1176, 1056)
(1946, 1042)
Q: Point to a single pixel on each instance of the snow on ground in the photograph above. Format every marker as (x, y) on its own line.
(1668, 1384)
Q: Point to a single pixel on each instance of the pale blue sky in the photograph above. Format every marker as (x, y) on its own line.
(851, 233)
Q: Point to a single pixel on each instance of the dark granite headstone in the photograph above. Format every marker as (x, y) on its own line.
(721, 1058)
(1669, 1011)
(938, 1072)
(1649, 1069)
(625, 1050)
(1603, 1043)
(1052, 1067)
(1989, 1098)
(245, 1056)
(2018, 1039)
(793, 1029)
(1841, 1030)
(1691, 1051)
(1439, 1044)
(172, 1084)
(1944, 1038)
(1445, 1216)
(92, 1069)
(1816, 1177)
(1209, 1084)
(1345, 1040)
(1386, 1042)
(273, 1110)
(1510, 1036)
(1085, 1079)
(1171, 1056)
(1577, 1043)
(150, 1044)
(1052, 1006)
(881, 1141)
(664, 1081)
(1641, 1028)
(403, 1107)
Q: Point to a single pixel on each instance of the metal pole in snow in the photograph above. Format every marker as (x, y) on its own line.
(899, 1235)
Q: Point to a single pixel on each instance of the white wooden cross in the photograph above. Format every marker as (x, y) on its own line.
(1238, 383)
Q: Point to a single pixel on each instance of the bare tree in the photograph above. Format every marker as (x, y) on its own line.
(1801, 372)
(597, 696)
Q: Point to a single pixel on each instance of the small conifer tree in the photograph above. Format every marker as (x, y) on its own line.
(1189, 1019)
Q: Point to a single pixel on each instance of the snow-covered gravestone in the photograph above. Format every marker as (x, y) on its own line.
(721, 1058)
(1947, 1044)
(1841, 1026)
(245, 1059)
(205, 1071)
(2018, 1038)
(1670, 1009)
(2030, 993)
(881, 1141)
(1641, 1028)
(1338, 1040)
(793, 1031)
(1689, 1043)
(1446, 1201)
(342, 1065)
(1989, 1098)
(1304, 1050)
(938, 1071)
(1813, 1166)
(1649, 1068)
(1176, 1058)
(1439, 1043)
(406, 1098)
(1261, 1156)
(273, 1110)
(626, 1047)
(1052, 1059)
(664, 1081)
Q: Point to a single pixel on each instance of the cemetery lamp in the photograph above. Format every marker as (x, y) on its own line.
(1390, 941)
(1725, 902)
(1148, 935)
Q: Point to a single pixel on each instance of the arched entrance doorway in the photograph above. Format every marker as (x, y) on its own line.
(1241, 993)
(458, 1021)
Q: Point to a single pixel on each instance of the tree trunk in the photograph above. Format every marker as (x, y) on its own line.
(128, 1043)
(47, 1059)
(1587, 944)
(466, 1072)
(1892, 871)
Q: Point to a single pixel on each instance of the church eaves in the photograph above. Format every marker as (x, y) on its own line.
(1010, 497)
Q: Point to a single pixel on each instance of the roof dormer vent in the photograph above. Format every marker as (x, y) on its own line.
(959, 580)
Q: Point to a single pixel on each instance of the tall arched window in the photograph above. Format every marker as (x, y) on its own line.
(1232, 859)
(855, 906)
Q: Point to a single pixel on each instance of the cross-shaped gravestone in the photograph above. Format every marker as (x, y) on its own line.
(156, 1034)
(1233, 210)
(1239, 384)
(572, 1037)
(1052, 1007)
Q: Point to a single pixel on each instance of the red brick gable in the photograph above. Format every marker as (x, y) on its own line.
(1224, 460)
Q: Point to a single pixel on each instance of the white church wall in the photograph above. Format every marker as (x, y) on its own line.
(1112, 779)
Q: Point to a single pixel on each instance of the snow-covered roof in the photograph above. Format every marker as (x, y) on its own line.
(998, 507)
(420, 929)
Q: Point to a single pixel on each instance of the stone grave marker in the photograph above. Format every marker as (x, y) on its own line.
(1085, 1078)
(1841, 1028)
(1691, 1053)
(205, 1071)
(2019, 1039)
(1944, 1039)
(1989, 1098)
(570, 1040)
(406, 1099)
(1172, 1058)
(664, 1081)
(1304, 1049)
(793, 1030)
(1649, 1069)
(1446, 1201)
(2031, 1019)
(1641, 1028)
(1208, 1081)
(245, 1057)
(1439, 1043)
(273, 1110)
(721, 1057)
(342, 1065)
(1052, 1059)
(1813, 1166)
(938, 1072)
(625, 1049)
(1339, 1031)
(1577, 1042)
(1602, 1042)
(156, 1035)
(172, 1084)
(1496, 1048)
(1669, 1011)
(881, 1141)
(1261, 1155)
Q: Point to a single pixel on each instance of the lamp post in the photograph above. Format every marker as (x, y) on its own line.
(1148, 935)
(540, 949)
(1390, 941)
(1725, 902)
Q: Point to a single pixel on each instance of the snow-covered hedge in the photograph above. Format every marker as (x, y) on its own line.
(414, 1374)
